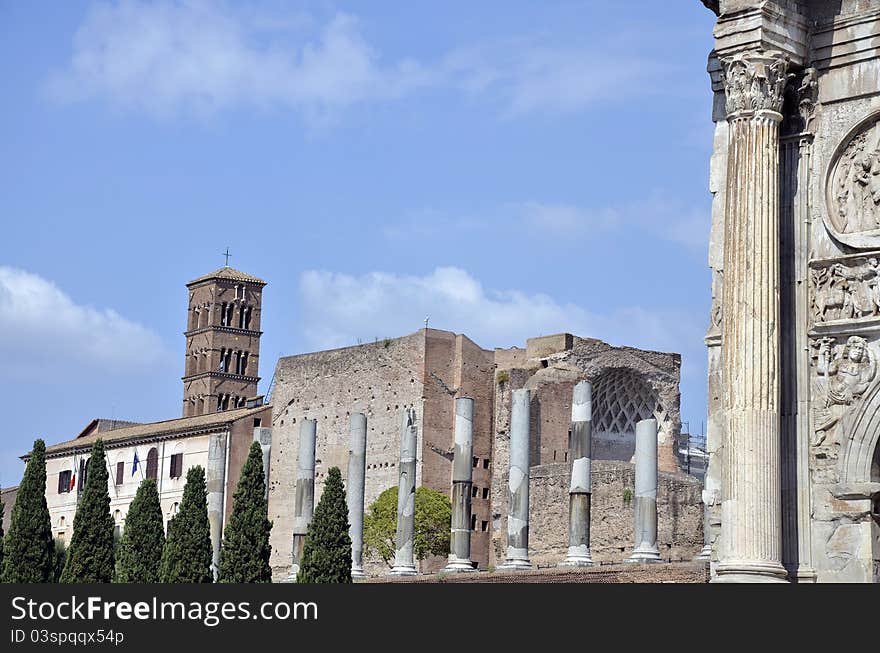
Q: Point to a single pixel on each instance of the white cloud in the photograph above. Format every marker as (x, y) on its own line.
(567, 219)
(44, 330)
(202, 56)
(338, 309)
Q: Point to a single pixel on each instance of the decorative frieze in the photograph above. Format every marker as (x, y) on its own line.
(845, 289)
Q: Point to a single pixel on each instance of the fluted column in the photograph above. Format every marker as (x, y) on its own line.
(404, 563)
(518, 484)
(354, 491)
(304, 502)
(751, 534)
(462, 481)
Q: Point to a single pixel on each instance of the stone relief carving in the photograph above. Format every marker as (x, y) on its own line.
(845, 373)
(754, 81)
(853, 188)
(847, 288)
(801, 94)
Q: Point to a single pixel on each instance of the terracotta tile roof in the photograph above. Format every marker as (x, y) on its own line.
(167, 428)
(227, 273)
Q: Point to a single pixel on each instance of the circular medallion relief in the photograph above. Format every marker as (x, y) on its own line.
(853, 187)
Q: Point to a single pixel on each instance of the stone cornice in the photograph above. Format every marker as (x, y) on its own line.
(221, 375)
(763, 28)
(137, 440)
(223, 329)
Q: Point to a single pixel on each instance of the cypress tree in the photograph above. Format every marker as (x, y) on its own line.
(2, 508)
(326, 556)
(29, 549)
(140, 549)
(90, 555)
(244, 556)
(187, 555)
(59, 560)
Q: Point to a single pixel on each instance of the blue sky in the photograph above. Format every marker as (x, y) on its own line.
(509, 168)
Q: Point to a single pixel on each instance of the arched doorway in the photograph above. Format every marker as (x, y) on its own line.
(620, 400)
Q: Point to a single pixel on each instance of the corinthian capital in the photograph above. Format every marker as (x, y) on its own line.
(754, 81)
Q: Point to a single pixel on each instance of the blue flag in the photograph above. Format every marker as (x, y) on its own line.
(134, 465)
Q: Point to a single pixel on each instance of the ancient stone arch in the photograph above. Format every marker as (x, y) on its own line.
(621, 398)
(859, 449)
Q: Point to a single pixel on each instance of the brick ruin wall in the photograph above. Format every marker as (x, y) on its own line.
(379, 379)
(427, 370)
(679, 514)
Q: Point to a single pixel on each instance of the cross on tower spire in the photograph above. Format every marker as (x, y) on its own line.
(226, 254)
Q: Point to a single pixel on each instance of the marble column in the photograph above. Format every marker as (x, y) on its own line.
(304, 504)
(462, 481)
(645, 500)
(263, 435)
(580, 489)
(354, 490)
(751, 532)
(404, 563)
(215, 482)
(705, 554)
(518, 484)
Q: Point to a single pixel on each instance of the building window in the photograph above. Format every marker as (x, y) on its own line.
(473, 522)
(484, 526)
(222, 366)
(64, 484)
(120, 473)
(485, 493)
(83, 473)
(485, 463)
(176, 465)
(476, 462)
(475, 491)
(153, 464)
(247, 317)
(258, 422)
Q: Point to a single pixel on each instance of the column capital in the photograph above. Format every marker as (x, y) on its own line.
(754, 83)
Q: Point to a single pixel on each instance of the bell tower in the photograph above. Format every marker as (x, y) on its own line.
(222, 341)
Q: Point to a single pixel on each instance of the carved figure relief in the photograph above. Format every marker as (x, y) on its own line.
(853, 188)
(845, 372)
(847, 288)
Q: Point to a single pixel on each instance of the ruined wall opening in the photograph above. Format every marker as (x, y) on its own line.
(620, 400)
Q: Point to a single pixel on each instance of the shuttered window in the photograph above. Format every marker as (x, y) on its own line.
(83, 473)
(64, 481)
(153, 464)
(120, 473)
(176, 465)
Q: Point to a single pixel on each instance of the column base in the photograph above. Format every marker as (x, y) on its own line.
(291, 577)
(644, 556)
(516, 564)
(806, 576)
(578, 556)
(403, 570)
(705, 555)
(459, 565)
(750, 572)
(358, 572)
